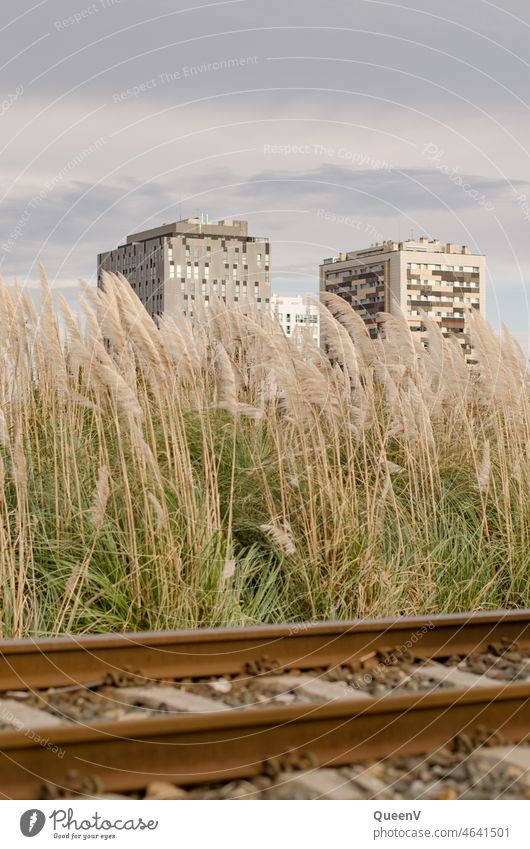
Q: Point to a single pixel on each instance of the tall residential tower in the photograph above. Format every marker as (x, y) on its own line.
(170, 266)
(441, 279)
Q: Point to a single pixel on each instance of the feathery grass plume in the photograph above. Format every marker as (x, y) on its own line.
(227, 390)
(339, 343)
(398, 339)
(514, 357)
(100, 498)
(49, 338)
(4, 430)
(185, 329)
(484, 469)
(140, 326)
(162, 518)
(229, 569)
(487, 351)
(9, 317)
(177, 350)
(392, 468)
(417, 417)
(19, 463)
(109, 314)
(354, 324)
(458, 380)
(123, 395)
(435, 351)
(281, 536)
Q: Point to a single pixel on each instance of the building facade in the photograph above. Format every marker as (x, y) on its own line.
(441, 279)
(172, 266)
(297, 315)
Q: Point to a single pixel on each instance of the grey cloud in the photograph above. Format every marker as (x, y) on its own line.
(396, 78)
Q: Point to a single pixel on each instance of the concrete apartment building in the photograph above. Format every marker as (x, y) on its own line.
(297, 315)
(441, 279)
(171, 266)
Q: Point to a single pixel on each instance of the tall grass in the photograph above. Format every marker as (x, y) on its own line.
(225, 474)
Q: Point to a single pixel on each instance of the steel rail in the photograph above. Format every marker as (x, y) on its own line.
(237, 743)
(62, 661)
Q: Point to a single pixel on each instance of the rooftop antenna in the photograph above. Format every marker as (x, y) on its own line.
(411, 234)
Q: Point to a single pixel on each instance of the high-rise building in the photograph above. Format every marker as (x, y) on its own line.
(297, 315)
(171, 266)
(441, 279)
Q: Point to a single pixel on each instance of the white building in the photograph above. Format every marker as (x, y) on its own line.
(298, 316)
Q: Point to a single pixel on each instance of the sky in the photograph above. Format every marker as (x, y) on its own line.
(327, 125)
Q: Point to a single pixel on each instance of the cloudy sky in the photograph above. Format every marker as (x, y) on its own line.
(328, 125)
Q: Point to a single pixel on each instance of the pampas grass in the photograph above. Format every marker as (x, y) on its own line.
(220, 473)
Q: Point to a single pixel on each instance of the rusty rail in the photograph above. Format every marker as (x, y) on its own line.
(61, 661)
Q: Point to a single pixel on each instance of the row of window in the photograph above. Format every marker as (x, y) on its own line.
(189, 297)
(438, 313)
(299, 318)
(471, 269)
(444, 298)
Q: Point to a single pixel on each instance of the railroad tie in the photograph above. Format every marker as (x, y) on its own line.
(168, 699)
(21, 717)
(516, 758)
(453, 675)
(320, 784)
(316, 688)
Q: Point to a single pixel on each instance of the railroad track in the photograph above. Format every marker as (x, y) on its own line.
(113, 713)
